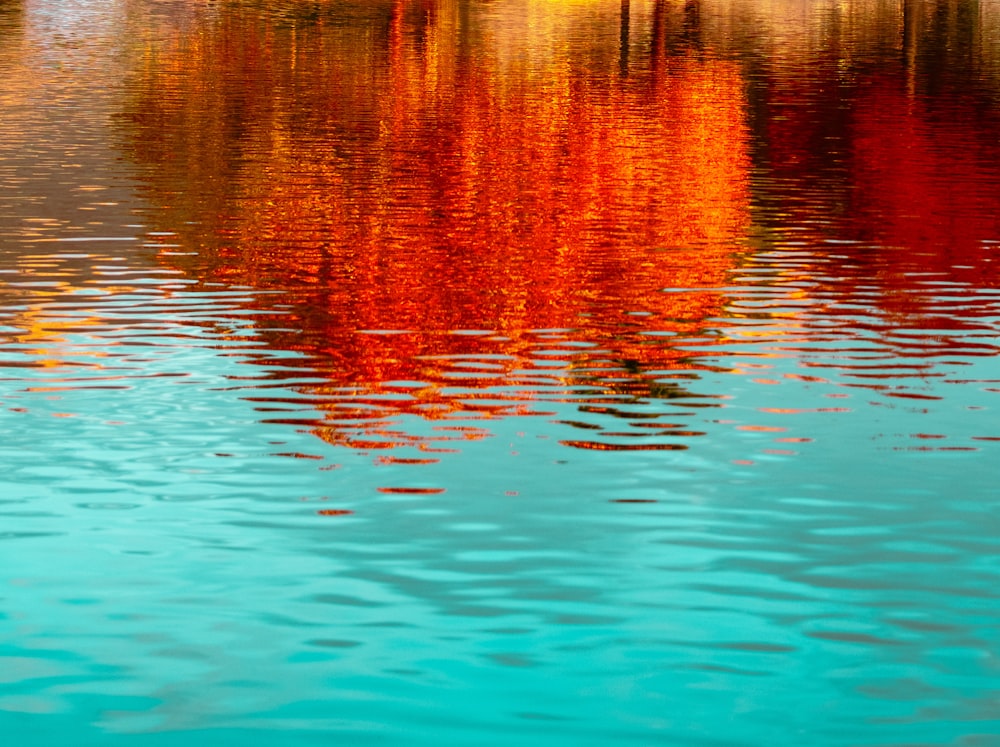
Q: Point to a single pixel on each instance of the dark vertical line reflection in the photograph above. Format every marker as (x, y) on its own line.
(623, 39)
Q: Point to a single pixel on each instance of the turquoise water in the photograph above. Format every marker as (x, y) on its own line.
(333, 418)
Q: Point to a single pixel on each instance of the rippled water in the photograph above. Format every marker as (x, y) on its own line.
(563, 372)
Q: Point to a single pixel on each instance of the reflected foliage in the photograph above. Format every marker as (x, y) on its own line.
(510, 192)
(878, 135)
(426, 168)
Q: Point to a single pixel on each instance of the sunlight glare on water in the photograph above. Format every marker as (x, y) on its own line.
(563, 372)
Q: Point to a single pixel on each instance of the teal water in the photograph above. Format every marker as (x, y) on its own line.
(332, 417)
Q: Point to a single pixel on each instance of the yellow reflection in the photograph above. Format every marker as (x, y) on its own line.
(44, 337)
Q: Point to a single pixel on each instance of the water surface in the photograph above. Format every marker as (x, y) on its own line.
(558, 372)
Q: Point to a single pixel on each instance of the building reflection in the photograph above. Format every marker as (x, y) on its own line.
(434, 169)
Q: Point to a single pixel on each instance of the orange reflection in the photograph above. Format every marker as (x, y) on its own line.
(444, 202)
(44, 336)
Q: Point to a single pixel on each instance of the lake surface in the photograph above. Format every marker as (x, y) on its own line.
(500, 372)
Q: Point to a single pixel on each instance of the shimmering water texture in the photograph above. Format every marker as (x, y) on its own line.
(499, 372)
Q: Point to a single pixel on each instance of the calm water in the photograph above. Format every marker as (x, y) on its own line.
(500, 372)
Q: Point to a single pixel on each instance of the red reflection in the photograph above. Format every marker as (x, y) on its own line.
(412, 491)
(891, 163)
(442, 209)
(926, 184)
